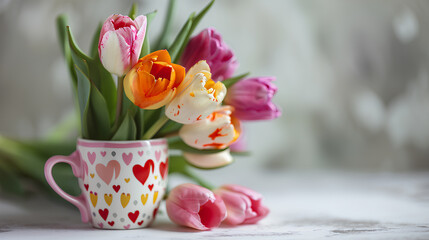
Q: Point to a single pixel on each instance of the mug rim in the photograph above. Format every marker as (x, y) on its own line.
(121, 144)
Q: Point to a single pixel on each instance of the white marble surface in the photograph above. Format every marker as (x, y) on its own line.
(328, 205)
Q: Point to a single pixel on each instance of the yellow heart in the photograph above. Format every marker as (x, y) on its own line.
(92, 175)
(155, 196)
(108, 199)
(125, 199)
(144, 198)
(127, 180)
(156, 177)
(94, 198)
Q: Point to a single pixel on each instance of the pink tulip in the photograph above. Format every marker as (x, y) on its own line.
(208, 45)
(195, 207)
(243, 205)
(251, 99)
(120, 42)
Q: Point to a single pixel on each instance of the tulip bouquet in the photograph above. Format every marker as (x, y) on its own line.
(130, 89)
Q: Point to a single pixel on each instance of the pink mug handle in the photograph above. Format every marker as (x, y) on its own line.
(74, 162)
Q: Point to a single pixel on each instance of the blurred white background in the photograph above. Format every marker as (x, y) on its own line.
(353, 76)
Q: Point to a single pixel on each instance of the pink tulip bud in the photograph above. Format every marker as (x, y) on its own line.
(208, 45)
(251, 99)
(120, 42)
(195, 207)
(243, 205)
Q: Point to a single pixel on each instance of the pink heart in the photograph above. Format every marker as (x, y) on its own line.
(158, 155)
(127, 226)
(103, 153)
(85, 170)
(106, 172)
(141, 153)
(100, 225)
(127, 158)
(91, 157)
(165, 150)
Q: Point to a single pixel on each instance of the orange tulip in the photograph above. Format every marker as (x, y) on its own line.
(154, 80)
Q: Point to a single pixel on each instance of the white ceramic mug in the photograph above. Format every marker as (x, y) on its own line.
(122, 182)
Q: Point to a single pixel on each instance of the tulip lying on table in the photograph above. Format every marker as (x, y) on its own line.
(195, 207)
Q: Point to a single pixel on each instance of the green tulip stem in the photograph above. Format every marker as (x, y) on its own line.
(119, 97)
(198, 180)
(163, 119)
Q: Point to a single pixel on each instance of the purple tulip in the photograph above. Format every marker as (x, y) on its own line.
(251, 99)
(120, 42)
(208, 45)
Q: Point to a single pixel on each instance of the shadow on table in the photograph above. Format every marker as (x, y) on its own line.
(39, 212)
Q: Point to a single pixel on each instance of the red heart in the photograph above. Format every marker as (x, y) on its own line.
(142, 173)
(116, 187)
(103, 213)
(163, 168)
(140, 223)
(133, 216)
(111, 223)
(86, 186)
(150, 186)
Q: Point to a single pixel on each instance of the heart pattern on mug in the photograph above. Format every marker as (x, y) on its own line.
(94, 198)
(155, 196)
(85, 170)
(117, 169)
(163, 168)
(125, 199)
(106, 172)
(103, 213)
(127, 158)
(144, 198)
(133, 216)
(116, 188)
(142, 173)
(108, 198)
(91, 157)
(157, 155)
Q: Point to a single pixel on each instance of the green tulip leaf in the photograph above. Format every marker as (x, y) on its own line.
(10, 181)
(104, 83)
(169, 128)
(127, 130)
(133, 11)
(180, 40)
(65, 46)
(231, 81)
(83, 91)
(146, 45)
(79, 58)
(93, 52)
(195, 21)
(168, 23)
(98, 117)
(139, 120)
